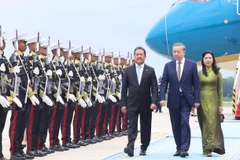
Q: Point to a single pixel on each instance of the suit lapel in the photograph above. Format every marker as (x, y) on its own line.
(175, 70)
(144, 72)
(184, 69)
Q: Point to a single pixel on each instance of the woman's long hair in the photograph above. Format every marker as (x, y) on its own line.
(215, 68)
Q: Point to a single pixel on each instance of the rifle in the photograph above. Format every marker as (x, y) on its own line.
(128, 59)
(3, 75)
(109, 79)
(103, 62)
(131, 58)
(78, 76)
(17, 79)
(94, 74)
(119, 61)
(89, 89)
(57, 67)
(1, 41)
(82, 84)
(89, 63)
(48, 84)
(28, 80)
(36, 79)
(68, 69)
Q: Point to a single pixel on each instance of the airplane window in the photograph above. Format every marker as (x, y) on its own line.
(200, 0)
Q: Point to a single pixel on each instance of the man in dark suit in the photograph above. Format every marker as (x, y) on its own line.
(139, 96)
(184, 93)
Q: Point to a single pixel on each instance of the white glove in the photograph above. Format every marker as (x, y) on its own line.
(49, 73)
(112, 98)
(89, 103)
(72, 97)
(4, 102)
(119, 96)
(16, 69)
(3, 67)
(89, 79)
(82, 103)
(101, 77)
(17, 102)
(104, 100)
(113, 80)
(99, 98)
(34, 100)
(59, 72)
(120, 77)
(47, 100)
(82, 79)
(70, 73)
(36, 71)
(59, 99)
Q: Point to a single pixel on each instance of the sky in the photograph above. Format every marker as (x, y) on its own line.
(110, 24)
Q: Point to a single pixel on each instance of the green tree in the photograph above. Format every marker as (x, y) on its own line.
(228, 86)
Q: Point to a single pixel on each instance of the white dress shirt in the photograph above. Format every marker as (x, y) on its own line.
(141, 71)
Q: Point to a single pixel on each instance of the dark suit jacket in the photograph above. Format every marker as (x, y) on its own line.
(135, 96)
(189, 83)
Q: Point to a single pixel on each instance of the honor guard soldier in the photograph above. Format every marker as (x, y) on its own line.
(88, 89)
(116, 87)
(101, 101)
(124, 115)
(68, 111)
(109, 95)
(97, 94)
(56, 119)
(35, 70)
(80, 95)
(46, 84)
(5, 98)
(20, 115)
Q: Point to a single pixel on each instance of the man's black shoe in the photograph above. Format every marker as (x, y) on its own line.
(41, 153)
(45, 149)
(65, 148)
(177, 153)
(125, 133)
(106, 137)
(17, 156)
(93, 141)
(58, 148)
(86, 141)
(29, 156)
(70, 145)
(142, 152)
(26, 156)
(128, 151)
(75, 144)
(97, 139)
(81, 143)
(183, 153)
(118, 134)
(31, 153)
(111, 135)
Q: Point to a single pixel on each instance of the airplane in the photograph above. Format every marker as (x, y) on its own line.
(202, 25)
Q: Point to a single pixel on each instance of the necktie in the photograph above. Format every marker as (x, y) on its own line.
(179, 71)
(138, 73)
